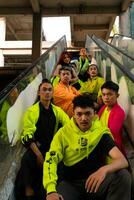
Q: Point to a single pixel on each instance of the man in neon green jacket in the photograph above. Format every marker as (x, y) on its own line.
(83, 64)
(83, 145)
(41, 121)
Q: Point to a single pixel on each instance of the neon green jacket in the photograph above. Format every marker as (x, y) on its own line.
(83, 69)
(3, 121)
(92, 86)
(31, 117)
(71, 145)
(55, 80)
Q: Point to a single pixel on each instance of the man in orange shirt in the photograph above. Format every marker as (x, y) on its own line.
(65, 93)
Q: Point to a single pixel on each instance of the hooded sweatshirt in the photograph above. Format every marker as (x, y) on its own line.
(71, 145)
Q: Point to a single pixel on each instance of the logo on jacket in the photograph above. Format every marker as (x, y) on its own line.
(83, 142)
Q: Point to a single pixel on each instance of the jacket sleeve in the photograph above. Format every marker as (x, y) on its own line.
(100, 83)
(62, 116)
(29, 127)
(53, 157)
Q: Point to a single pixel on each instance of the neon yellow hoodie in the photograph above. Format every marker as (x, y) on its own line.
(71, 145)
(92, 86)
(31, 117)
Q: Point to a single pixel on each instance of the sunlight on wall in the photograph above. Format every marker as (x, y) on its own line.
(115, 29)
(55, 27)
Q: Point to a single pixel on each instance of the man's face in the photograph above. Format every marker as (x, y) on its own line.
(92, 71)
(83, 52)
(109, 97)
(65, 76)
(46, 92)
(83, 117)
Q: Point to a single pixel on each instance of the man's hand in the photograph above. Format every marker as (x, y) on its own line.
(54, 196)
(94, 180)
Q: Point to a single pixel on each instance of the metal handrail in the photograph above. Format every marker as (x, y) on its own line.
(5, 92)
(122, 68)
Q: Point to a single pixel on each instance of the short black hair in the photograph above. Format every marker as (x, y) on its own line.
(45, 80)
(67, 68)
(83, 100)
(110, 85)
(64, 67)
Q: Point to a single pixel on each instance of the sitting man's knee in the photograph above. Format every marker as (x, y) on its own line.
(124, 177)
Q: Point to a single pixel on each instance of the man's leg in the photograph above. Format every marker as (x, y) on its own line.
(29, 170)
(115, 186)
(120, 187)
(68, 191)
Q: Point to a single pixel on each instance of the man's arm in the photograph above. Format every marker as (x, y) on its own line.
(53, 157)
(75, 77)
(57, 70)
(29, 128)
(61, 116)
(118, 162)
(38, 153)
(29, 125)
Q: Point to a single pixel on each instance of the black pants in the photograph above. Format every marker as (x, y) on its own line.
(30, 174)
(115, 186)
